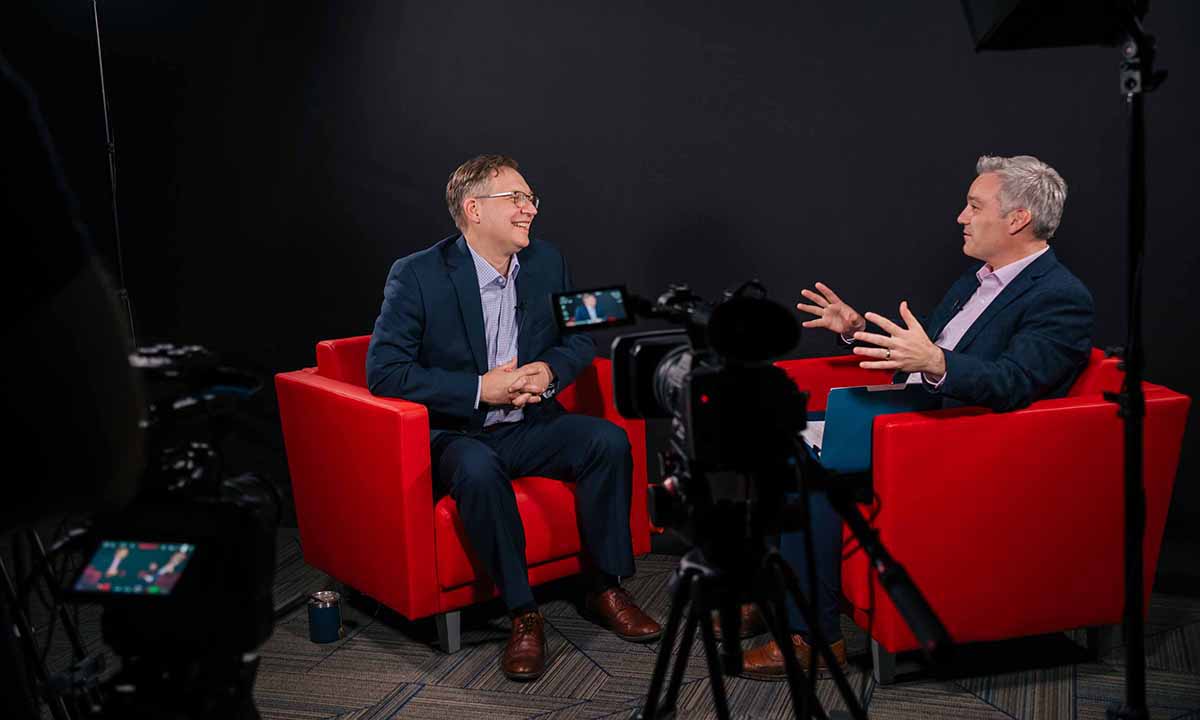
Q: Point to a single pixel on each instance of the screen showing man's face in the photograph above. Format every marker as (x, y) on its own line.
(602, 307)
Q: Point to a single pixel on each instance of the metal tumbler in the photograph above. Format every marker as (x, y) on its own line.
(325, 617)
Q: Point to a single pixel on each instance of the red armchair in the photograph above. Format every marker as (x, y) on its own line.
(363, 488)
(1010, 523)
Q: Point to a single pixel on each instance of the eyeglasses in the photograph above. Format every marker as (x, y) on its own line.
(520, 199)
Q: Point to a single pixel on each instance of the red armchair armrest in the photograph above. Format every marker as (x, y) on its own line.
(374, 524)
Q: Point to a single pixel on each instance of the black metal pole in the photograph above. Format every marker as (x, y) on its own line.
(1137, 77)
(111, 151)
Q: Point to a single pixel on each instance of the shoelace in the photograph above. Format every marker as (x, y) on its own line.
(622, 600)
(527, 623)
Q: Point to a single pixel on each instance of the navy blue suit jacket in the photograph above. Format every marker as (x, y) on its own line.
(1031, 342)
(429, 346)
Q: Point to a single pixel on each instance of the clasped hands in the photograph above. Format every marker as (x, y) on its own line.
(903, 349)
(508, 384)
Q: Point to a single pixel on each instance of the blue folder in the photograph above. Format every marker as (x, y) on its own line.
(849, 415)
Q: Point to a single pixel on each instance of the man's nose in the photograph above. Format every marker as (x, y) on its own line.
(529, 209)
(962, 218)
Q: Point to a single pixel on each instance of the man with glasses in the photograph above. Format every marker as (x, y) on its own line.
(465, 329)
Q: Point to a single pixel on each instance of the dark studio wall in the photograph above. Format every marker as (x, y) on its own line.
(276, 158)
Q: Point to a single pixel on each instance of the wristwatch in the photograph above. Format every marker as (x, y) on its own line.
(550, 390)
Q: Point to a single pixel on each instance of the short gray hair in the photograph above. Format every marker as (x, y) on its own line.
(1026, 182)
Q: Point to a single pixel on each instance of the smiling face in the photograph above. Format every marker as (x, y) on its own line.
(988, 234)
(496, 223)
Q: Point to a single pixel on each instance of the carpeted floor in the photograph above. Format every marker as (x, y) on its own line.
(386, 667)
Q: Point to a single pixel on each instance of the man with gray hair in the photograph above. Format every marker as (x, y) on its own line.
(1017, 327)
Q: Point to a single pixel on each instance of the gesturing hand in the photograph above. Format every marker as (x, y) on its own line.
(832, 313)
(906, 349)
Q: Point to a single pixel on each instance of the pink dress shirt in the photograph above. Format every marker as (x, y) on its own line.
(991, 284)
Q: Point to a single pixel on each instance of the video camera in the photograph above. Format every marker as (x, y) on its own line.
(734, 416)
(184, 573)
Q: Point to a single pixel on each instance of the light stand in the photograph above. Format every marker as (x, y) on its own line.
(111, 151)
(1015, 24)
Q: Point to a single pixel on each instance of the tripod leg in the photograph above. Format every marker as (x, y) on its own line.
(884, 664)
(716, 677)
(681, 659)
(774, 611)
(64, 616)
(784, 575)
(57, 707)
(665, 645)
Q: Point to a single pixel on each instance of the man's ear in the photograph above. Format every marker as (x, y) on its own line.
(471, 210)
(1018, 219)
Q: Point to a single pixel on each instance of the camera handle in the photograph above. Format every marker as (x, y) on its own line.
(700, 588)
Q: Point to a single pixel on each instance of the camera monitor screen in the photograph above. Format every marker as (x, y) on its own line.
(591, 309)
(131, 567)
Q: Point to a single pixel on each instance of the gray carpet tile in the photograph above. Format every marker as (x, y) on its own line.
(463, 704)
(1046, 693)
(284, 695)
(385, 708)
(592, 710)
(379, 652)
(930, 701)
(1171, 611)
(1175, 650)
(760, 699)
(1168, 694)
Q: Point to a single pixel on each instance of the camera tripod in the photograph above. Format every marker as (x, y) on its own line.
(739, 564)
(701, 587)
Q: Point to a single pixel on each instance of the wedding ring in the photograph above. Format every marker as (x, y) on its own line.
(889, 354)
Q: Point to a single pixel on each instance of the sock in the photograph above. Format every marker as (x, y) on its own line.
(598, 582)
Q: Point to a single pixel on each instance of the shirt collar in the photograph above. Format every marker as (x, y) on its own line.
(1006, 274)
(487, 274)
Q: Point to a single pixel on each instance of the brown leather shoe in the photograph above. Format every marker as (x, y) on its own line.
(525, 655)
(752, 622)
(615, 609)
(766, 662)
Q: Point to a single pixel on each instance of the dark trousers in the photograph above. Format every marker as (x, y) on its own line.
(477, 471)
(827, 552)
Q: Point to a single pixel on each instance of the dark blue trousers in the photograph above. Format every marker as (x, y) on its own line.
(827, 551)
(477, 471)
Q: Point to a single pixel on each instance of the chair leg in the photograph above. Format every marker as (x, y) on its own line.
(884, 664)
(449, 630)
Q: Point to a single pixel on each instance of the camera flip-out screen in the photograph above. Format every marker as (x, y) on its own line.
(591, 309)
(132, 567)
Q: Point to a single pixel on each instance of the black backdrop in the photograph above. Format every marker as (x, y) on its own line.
(275, 158)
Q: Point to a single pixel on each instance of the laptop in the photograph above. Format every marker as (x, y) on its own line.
(841, 440)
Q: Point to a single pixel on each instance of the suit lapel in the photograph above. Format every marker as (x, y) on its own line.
(1018, 287)
(466, 286)
(528, 292)
(962, 292)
